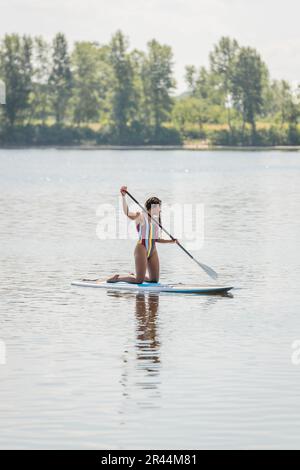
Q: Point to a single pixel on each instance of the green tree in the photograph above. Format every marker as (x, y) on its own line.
(223, 60)
(180, 115)
(91, 77)
(140, 122)
(190, 78)
(122, 88)
(16, 72)
(158, 83)
(203, 84)
(60, 80)
(293, 118)
(40, 105)
(189, 111)
(282, 100)
(248, 84)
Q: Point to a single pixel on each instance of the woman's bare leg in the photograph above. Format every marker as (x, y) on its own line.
(153, 267)
(140, 256)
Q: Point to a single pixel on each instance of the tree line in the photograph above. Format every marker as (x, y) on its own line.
(109, 94)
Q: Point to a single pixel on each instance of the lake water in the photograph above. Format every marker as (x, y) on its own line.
(86, 368)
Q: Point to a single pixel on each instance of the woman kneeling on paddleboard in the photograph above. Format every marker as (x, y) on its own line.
(145, 252)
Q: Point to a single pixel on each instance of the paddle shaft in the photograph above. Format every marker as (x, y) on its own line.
(208, 270)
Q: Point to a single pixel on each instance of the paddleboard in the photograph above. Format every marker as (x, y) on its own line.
(155, 287)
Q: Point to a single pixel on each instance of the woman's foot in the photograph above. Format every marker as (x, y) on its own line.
(113, 278)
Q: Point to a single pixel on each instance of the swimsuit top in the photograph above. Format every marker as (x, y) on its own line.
(148, 234)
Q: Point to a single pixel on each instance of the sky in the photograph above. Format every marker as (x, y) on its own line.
(190, 27)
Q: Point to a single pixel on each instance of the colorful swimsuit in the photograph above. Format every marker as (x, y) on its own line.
(148, 234)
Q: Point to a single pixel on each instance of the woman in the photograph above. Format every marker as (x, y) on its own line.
(145, 253)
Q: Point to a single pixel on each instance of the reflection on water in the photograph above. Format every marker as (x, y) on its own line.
(86, 368)
(147, 343)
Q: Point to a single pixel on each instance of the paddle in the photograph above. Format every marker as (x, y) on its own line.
(207, 269)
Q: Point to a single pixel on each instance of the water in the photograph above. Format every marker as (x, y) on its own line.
(90, 369)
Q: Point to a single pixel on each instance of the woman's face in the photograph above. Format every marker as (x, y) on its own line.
(155, 210)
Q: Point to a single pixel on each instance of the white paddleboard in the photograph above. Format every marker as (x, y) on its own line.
(155, 287)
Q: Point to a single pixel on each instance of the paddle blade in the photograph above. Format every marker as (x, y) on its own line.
(207, 269)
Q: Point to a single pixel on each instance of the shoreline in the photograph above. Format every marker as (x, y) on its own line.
(191, 147)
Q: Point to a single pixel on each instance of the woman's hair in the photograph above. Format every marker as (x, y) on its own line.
(150, 202)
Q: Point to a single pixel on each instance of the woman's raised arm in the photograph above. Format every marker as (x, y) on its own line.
(131, 215)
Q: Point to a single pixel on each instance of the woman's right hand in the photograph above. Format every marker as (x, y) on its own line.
(123, 190)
